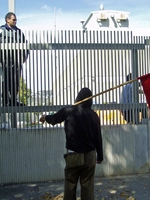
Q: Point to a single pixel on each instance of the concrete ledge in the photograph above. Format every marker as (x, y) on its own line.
(37, 155)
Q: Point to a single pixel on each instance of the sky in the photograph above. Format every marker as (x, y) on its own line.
(67, 14)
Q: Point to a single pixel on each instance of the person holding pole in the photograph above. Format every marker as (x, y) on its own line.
(126, 98)
(83, 140)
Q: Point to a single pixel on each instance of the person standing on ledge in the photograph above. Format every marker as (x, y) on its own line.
(11, 60)
(83, 140)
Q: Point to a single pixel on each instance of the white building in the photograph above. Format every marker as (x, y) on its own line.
(108, 53)
(106, 19)
(88, 66)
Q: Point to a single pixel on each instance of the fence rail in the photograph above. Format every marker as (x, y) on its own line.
(61, 63)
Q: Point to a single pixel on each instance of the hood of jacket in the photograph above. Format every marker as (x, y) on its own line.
(83, 94)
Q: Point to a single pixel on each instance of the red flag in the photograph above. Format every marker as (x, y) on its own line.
(145, 80)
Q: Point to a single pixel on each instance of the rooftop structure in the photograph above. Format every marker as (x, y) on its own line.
(106, 19)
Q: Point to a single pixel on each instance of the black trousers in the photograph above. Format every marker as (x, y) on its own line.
(132, 115)
(84, 174)
(10, 84)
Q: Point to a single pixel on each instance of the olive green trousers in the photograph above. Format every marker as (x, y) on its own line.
(83, 173)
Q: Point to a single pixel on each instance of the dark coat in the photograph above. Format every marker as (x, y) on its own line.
(10, 56)
(82, 126)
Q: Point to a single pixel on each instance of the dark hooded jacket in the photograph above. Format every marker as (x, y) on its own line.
(82, 125)
(7, 35)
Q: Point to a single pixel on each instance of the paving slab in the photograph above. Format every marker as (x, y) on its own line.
(129, 187)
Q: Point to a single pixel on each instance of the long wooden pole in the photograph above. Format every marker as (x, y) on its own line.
(91, 97)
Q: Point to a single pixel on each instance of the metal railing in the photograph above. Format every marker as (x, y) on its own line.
(60, 63)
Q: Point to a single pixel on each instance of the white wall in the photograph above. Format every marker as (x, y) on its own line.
(37, 155)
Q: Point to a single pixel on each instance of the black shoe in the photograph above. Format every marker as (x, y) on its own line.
(19, 103)
(6, 104)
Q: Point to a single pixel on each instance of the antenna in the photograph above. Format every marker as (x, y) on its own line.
(55, 18)
(101, 7)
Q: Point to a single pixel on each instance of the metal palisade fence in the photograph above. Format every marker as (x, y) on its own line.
(42, 71)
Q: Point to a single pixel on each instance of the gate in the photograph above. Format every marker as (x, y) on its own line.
(58, 66)
(60, 63)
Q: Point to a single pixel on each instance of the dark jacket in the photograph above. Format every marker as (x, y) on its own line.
(82, 126)
(7, 35)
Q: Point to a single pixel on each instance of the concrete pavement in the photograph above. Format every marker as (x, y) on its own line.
(129, 187)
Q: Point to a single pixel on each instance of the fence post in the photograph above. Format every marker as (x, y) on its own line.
(148, 143)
